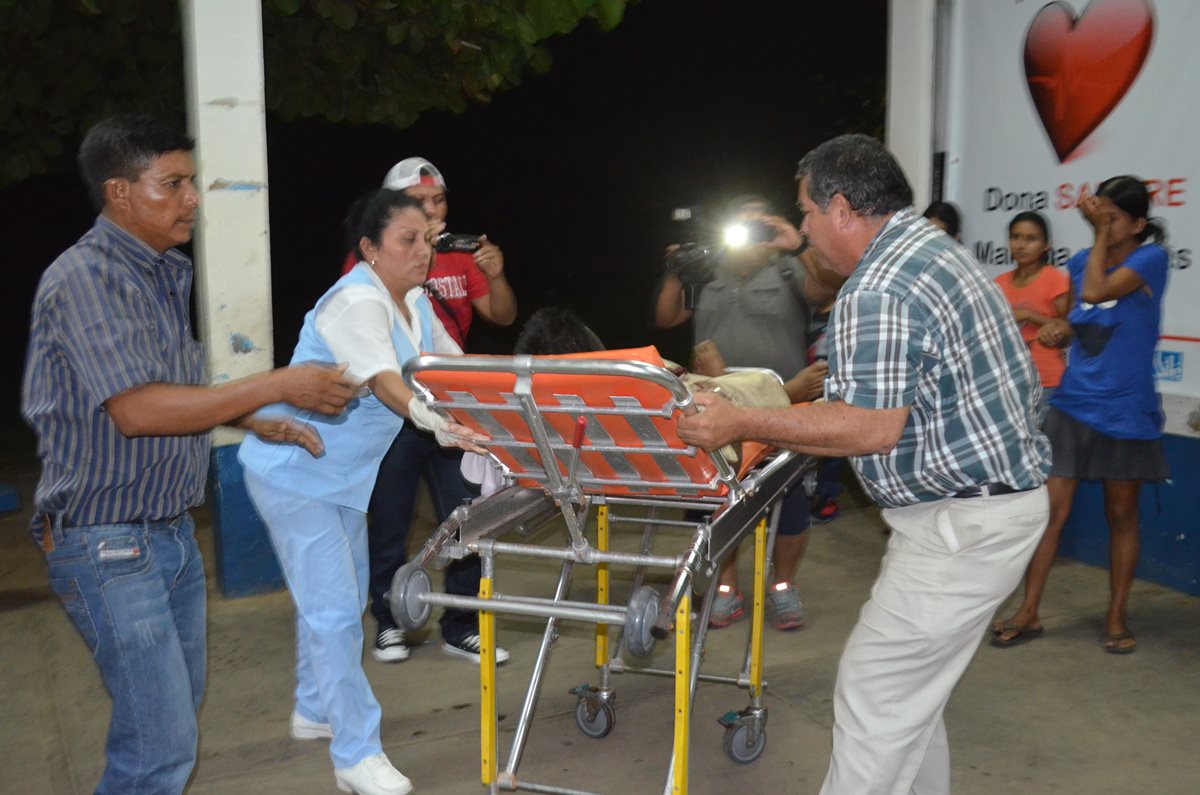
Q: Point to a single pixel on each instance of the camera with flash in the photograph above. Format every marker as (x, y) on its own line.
(694, 262)
(747, 233)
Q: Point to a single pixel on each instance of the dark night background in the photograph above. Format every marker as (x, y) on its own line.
(573, 173)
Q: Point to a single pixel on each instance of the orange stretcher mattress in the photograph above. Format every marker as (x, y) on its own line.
(628, 444)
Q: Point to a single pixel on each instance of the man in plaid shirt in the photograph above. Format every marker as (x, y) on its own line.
(931, 393)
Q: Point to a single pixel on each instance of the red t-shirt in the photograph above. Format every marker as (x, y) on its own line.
(458, 281)
(1039, 296)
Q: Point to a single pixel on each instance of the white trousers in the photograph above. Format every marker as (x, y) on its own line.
(949, 565)
(322, 549)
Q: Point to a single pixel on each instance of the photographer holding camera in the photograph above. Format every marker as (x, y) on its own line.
(467, 276)
(751, 306)
(468, 272)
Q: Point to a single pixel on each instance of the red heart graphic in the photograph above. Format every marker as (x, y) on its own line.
(1079, 69)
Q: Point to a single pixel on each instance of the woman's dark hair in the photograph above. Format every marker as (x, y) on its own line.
(947, 213)
(1129, 194)
(1030, 216)
(552, 330)
(371, 214)
(124, 146)
(861, 169)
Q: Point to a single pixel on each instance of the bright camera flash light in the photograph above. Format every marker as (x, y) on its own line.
(736, 235)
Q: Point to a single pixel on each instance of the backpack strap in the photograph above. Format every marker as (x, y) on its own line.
(445, 305)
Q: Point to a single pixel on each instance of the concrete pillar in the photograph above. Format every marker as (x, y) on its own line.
(226, 112)
(912, 52)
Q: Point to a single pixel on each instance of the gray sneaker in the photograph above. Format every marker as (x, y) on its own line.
(728, 607)
(786, 605)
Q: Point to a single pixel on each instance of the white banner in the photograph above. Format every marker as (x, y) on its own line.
(1046, 100)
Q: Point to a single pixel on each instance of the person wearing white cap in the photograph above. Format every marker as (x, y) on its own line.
(460, 284)
(465, 283)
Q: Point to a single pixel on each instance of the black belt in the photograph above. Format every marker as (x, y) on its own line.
(990, 490)
(66, 523)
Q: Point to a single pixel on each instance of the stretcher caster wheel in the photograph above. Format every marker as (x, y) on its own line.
(598, 725)
(408, 584)
(736, 747)
(639, 621)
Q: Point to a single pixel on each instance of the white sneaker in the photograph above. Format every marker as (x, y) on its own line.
(390, 646)
(468, 648)
(305, 729)
(372, 776)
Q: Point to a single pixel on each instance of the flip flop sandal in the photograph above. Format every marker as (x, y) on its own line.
(1112, 639)
(1024, 635)
(1000, 627)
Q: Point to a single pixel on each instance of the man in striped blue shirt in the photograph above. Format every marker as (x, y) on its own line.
(931, 393)
(114, 386)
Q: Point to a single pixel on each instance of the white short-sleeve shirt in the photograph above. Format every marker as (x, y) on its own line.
(356, 323)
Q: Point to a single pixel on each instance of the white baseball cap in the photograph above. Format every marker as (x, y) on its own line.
(413, 171)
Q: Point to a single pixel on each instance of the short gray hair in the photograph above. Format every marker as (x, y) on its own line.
(860, 168)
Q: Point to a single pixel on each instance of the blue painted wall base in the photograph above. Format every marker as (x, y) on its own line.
(10, 498)
(246, 562)
(1170, 518)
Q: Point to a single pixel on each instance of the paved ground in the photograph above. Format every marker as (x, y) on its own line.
(1056, 716)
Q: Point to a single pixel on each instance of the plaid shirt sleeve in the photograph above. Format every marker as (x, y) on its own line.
(877, 358)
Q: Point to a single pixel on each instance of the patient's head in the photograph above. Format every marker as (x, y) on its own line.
(551, 330)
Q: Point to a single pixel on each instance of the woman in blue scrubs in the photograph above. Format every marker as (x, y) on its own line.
(373, 318)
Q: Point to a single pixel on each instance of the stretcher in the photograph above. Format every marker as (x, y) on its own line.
(585, 435)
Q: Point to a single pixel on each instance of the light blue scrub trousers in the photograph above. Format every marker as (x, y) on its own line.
(322, 549)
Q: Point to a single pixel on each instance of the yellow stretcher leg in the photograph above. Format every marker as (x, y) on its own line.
(683, 651)
(756, 625)
(602, 584)
(489, 750)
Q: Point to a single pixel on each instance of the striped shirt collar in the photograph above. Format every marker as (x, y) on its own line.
(139, 251)
(897, 221)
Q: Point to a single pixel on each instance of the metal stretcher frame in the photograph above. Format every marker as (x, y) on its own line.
(580, 433)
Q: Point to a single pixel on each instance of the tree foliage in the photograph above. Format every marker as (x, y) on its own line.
(68, 64)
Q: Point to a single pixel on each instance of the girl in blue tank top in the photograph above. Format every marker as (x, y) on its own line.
(1106, 420)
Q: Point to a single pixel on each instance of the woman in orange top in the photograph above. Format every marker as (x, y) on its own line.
(1037, 292)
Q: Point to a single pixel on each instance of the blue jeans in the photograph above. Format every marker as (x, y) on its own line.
(829, 479)
(136, 594)
(415, 453)
(796, 513)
